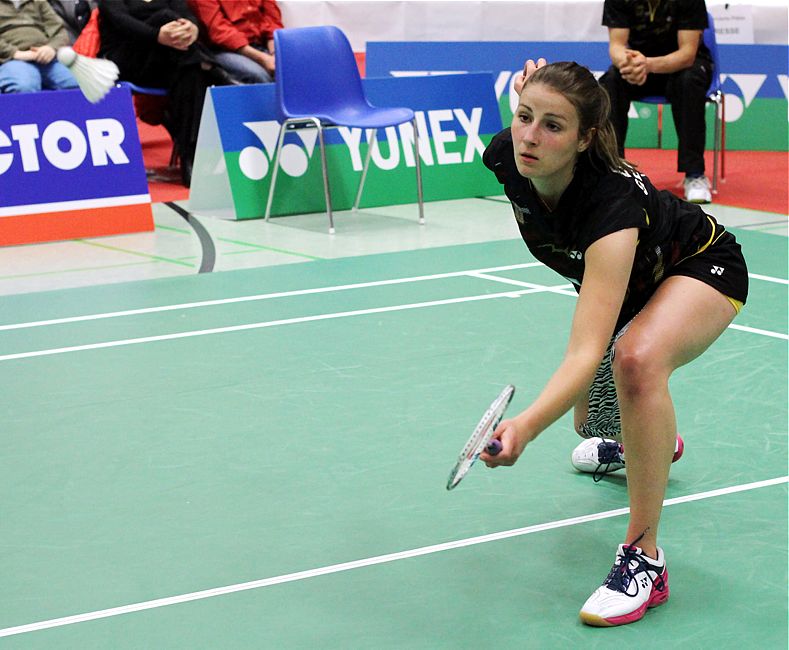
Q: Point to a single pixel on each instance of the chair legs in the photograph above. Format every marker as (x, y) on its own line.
(315, 123)
(326, 193)
(283, 127)
(369, 155)
(291, 124)
(719, 146)
(417, 163)
(419, 197)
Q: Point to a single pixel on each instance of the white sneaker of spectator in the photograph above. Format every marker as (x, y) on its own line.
(697, 189)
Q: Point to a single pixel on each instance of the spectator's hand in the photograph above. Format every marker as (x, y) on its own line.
(268, 62)
(24, 55)
(634, 70)
(528, 70)
(190, 31)
(178, 34)
(44, 54)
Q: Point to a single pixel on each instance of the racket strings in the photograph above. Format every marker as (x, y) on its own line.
(481, 436)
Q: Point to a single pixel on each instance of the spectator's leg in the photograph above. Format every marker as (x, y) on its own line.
(56, 76)
(242, 68)
(686, 91)
(19, 77)
(619, 92)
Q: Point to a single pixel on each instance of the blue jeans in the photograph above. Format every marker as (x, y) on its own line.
(243, 68)
(27, 77)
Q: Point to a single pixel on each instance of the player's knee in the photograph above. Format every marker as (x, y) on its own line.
(636, 368)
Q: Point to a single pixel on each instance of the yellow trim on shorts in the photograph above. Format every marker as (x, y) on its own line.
(737, 304)
(709, 243)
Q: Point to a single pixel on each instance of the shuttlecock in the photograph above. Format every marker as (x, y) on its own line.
(94, 76)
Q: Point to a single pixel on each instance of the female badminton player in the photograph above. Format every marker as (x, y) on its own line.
(658, 281)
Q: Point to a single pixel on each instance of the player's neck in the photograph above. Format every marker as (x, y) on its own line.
(549, 190)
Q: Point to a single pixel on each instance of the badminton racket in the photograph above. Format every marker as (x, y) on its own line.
(482, 437)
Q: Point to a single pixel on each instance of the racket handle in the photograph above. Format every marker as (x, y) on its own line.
(494, 447)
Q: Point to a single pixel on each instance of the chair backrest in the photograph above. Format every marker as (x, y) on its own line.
(708, 36)
(316, 71)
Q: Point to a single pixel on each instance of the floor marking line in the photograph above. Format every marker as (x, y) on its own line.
(263, 296)
(571, 292)
(767, 278)
(264, 324)
(754, 330)
(371, 561)
(565, 289)
(318, 317)
(479, 273)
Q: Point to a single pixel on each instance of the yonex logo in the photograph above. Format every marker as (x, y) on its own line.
(717, 270)
(575, 255)
(255, 162)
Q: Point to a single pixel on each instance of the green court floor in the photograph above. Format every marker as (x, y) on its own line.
(257, 459)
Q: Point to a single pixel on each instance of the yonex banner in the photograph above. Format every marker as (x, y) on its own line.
(456, 118)
(69, 168)
(754, 82)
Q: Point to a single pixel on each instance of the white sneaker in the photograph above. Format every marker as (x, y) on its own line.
(697, 190)
(601, 456)
(598, 456)
(636, 583)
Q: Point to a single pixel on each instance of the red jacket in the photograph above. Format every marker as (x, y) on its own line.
(232, 24)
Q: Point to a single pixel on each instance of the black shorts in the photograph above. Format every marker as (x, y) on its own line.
(721, 265)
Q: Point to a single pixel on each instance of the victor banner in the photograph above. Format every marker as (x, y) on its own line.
(69, 168)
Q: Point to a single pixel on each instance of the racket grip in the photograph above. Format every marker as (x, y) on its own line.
(494, 447)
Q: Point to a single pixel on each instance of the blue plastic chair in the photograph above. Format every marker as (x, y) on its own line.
(715, 96)
(318, 86)
(154, 92)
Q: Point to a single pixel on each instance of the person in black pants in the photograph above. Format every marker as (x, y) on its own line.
(154, 44)
(656, 49)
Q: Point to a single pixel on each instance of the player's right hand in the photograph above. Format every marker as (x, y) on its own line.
(528, 69)
(512, 445)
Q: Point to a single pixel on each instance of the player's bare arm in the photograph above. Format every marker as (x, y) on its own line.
(608, 265)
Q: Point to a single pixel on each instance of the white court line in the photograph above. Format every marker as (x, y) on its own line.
(566, 290)
(370, 561)
(479, 273)
(264, 296)
(271, 323)
(318, 317)
(754, 330)
(767, 278)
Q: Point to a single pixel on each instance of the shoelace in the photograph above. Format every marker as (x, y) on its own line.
(608, 452)
(621, 575)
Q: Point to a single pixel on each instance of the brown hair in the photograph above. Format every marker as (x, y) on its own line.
(578, 85)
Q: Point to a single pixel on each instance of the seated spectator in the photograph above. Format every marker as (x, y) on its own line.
(74, 14)
(241, 35)
(154, 44)
(30, 34)
(657, 49)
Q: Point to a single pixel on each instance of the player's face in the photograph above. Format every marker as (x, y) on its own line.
(545, 135)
